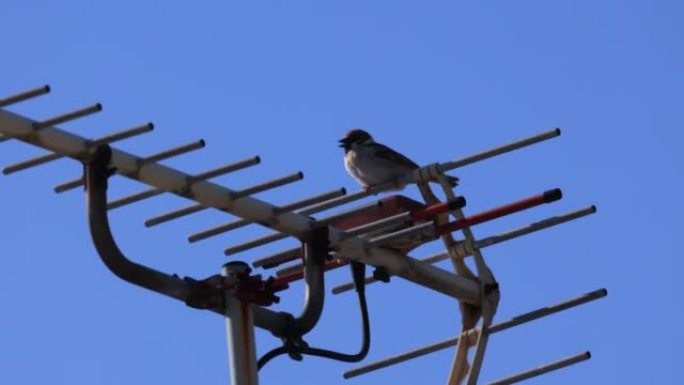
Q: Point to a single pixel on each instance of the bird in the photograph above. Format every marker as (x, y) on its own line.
(372, 163)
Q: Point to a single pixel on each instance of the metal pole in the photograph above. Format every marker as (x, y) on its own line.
(239, 328)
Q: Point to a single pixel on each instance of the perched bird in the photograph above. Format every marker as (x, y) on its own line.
(372, 163)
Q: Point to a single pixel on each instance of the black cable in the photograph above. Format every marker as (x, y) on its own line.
(271, 355)
(358, 273)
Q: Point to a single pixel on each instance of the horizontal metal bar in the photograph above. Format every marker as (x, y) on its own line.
(26, 164)
(500, 150)
(202, 176)
(278, 258)
(396, 263)
(334, 203)
(577, 358)
(462, 250)
(174, 215)
(123, 201)
(170, 153)
(232, 167)
(54, 156)
(97, 107)
(278, 236)
(291, 274)
(139, 163)
(426, 229)
(125, 134)
(255, 243)
(306, 202)
(268, 185)
(66, 186)
(343, 213)
(549, 310)
(20, 97)
(279, 210)
(199, 207)
(377, 225)
(521, 319)
(371, 279)
(298, 268)
(533, 227)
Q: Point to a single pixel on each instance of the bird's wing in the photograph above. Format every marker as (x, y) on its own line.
(384, 152)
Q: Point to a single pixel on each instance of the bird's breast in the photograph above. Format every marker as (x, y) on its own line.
(368, 168)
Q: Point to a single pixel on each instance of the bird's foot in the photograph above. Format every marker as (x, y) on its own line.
(371, 189)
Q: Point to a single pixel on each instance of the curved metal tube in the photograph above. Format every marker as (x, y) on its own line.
(96, 176)
(281, 324)
(315, 250)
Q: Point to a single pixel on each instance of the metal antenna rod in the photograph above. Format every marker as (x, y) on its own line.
(97, 107)
(500, 150)
(306, 202)
(54, 156)
(577, 358)
(281, 209)
(345, 287)
(72, 184)
(267, 185)
(515, 321)
(278, 236)
(149, 193)
(278, 258)
(20, 97)
(237, 194)
(334, 203)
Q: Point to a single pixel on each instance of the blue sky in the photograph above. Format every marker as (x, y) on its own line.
(285, 80)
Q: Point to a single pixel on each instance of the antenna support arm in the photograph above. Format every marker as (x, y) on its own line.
(205, 294)
(96, 174)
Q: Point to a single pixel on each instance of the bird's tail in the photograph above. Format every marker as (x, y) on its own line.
(453, 181)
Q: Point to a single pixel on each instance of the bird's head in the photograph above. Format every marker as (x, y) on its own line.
(355, 137)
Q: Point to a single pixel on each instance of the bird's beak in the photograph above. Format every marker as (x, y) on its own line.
(344, 142)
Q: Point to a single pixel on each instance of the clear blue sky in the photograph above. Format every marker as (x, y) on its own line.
(285, 80)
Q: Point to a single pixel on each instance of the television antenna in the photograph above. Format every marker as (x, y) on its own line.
(378, 234)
